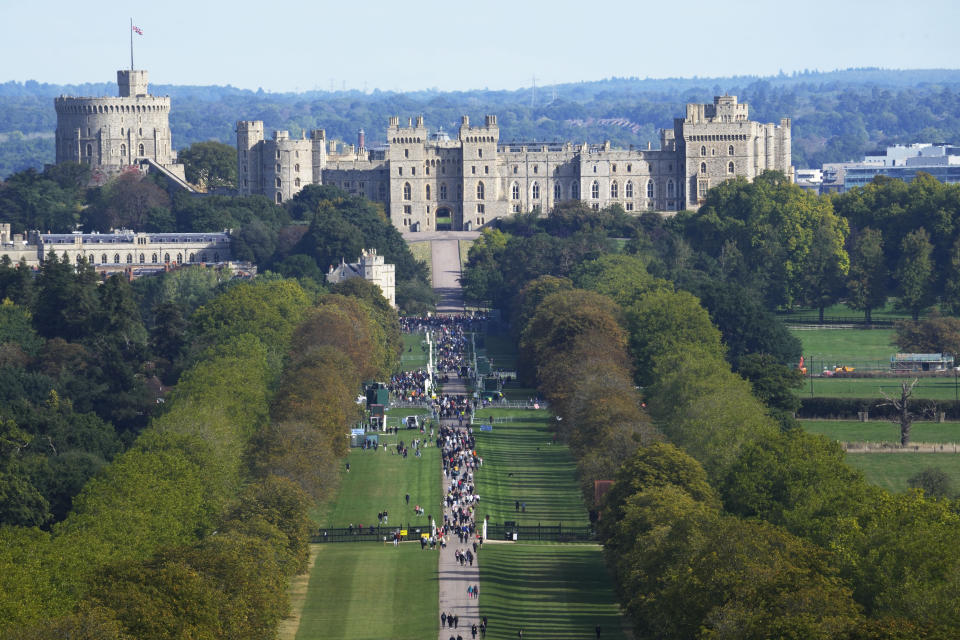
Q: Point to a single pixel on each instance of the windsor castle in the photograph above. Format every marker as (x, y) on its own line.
(430, 181)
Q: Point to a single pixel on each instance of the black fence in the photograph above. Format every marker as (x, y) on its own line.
(815, 319)
(524, 532)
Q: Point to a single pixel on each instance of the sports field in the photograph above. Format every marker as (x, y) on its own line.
(379, 481)
(891, 470)
(882, 430)
(364, 591)
(551, 591)
(521, 463)
(926, 389)
(829, 347)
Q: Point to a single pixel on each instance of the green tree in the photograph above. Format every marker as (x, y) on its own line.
(822, 280)
(934, 334)
(210, 164)
(935, 482)
(867, 285)
(774, 383)
(914, 274)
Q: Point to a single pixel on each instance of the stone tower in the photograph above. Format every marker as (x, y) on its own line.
(111, 134)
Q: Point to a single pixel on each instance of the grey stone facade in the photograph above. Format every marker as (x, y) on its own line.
(428, 181)
(113, 134)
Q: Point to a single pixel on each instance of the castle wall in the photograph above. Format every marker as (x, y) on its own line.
(424, 180)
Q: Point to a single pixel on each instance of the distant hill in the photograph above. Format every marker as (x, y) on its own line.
(837, 115)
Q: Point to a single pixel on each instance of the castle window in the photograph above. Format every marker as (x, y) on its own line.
(142, 153)
(413, 171)
(515, 169)
(515, 191)
(595, 190)
(703, 151)
(486, 169)
(669, 188)
(614, 168)
(536, 190)
(443, 191)
(278, 183)
(629, 206)
(628, 190)
(296, 154)
(129, 258)
(480, 208)
(179, 258)
(479, 153)
(407, 209)
(649, 188)
(574, 189)
(703, 167)
(473, 170)
(556, 191)
(278, 168)
(296, 168)
(278, 150)
(406, 191)
(480, 191)
(154, 259)
(399, 171)
(103, 259)
(427, 169)
(536, 168)
(428, 192)
(193, 257)
(296, 183)
(89, 150)
(516, 208)
(594, 168)
(614, 190)
(142, 258)
(116, 258)
(279, 198)
(713, 152)
(629, 168)
(203, 257)
(730, 167)
(730, 150)
(166, 258)
(141, 131)
(121, 132)
(123, 150)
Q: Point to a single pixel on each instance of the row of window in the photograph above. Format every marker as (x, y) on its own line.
(123, 150)
(731, 168)
(557, 189)
(154, 258)
(713, 152)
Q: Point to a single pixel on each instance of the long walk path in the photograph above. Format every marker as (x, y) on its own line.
(453, 577)
(446, 275)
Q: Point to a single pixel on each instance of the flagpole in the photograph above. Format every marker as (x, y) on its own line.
(131, 44)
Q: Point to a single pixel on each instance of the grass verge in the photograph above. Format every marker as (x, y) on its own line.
(926, 389)
(555, 592)
(379, 481)
(415, 352)
(521, 463)
(371, 592)
(829, 347)
(882, 430)
(892, 470)
(423, 252)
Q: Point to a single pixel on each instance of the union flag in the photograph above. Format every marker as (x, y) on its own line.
(137, 30)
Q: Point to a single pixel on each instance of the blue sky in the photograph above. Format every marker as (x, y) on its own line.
(451, 45)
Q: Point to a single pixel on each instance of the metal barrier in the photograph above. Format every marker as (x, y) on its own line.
(524, 532)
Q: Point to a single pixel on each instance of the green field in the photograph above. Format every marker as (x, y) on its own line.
(882, 431)
(501, 351)
(520, 463)
(379, 481)
(926, 389)
(423, 252)
(860, 348)
(415, 352)
(464, 246)
(370, 592)
(891, 470)
(888, 312)
(553, 592)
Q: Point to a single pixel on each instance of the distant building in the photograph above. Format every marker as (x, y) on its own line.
(370, 267)
(122, 251)
(903, 162)
(428, 181)
(809, 179)
(113, 134)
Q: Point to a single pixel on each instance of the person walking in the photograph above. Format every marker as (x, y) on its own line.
(598, 632)
(443, 619)
(476, 591)
(473, 630)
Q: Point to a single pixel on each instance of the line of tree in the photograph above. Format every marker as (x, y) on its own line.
(195, 529)
(743, 526)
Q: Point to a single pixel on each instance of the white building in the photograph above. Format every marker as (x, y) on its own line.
(372, 268)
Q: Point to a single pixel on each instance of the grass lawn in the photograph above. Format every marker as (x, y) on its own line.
(927, 388)
(501, 351)
(520, 463)
(415, 352)
(860, 348)
(368, 591)
(886, 313)
(464, 251)
(423, 252)
(379, 481)
(554, 592)
(891, 470)
(882, 430)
